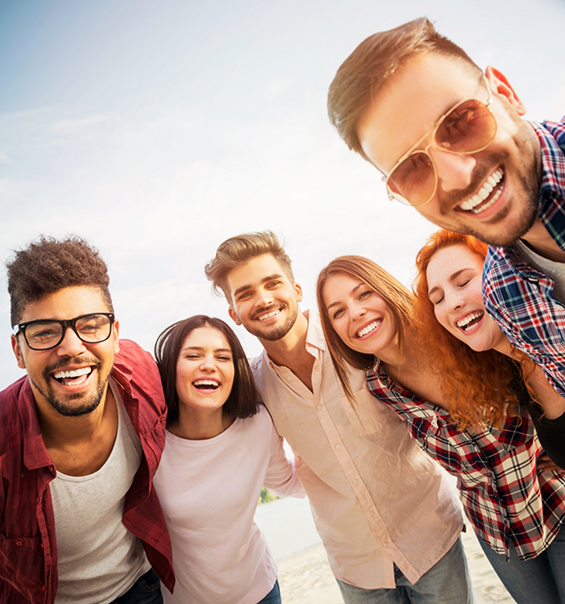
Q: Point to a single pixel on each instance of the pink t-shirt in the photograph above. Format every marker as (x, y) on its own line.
(209, 490)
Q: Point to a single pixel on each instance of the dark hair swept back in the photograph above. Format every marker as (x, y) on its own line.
(243, 399)
(49, 265)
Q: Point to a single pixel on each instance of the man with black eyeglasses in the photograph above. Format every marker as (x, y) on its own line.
(449, 140)
(82, 435)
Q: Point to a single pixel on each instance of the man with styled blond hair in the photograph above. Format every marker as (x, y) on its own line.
(388, 518)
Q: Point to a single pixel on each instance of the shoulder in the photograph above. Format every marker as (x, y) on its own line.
(131, 353)
(17, 395)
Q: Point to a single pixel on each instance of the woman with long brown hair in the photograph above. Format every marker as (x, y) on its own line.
(221, 448)
(515, 506)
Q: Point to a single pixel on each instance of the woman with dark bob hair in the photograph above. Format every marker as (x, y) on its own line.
(470, 421)
(221, 449)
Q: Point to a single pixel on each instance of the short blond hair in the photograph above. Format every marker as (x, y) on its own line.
(238, 250)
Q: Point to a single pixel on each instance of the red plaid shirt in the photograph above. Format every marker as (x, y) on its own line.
(28, 548)
(508, 502)
(517, 296)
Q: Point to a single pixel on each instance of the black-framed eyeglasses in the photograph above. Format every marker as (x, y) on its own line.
(48, 333)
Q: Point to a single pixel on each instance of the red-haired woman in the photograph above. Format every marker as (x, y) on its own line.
(515, 505)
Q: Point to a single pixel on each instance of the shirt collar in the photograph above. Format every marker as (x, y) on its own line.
(552, 190)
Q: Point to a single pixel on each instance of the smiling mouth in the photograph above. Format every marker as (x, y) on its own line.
(73, 377)
(470, 320)
(206, 384)
(368, 329)
(269, 314)
(487, 195)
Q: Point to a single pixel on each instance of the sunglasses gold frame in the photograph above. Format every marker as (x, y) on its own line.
(432, 132)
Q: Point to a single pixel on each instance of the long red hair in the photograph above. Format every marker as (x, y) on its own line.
(480, 387)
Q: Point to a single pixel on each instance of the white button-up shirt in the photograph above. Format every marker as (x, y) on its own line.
(376, 498)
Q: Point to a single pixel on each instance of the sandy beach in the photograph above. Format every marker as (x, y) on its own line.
(304, 573)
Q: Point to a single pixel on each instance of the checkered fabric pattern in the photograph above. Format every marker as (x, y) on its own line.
(519, 297)
(508, 502)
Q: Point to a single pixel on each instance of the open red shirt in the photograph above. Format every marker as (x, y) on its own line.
(28, 548)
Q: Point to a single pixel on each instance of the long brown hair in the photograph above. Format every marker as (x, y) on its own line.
(479, 386)
(243, 398)
(398, 297)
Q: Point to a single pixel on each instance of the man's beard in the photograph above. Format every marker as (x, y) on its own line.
(275, 333)
(513, 222)
(89, 401)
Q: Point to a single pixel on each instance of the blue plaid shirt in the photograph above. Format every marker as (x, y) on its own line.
(519, 297)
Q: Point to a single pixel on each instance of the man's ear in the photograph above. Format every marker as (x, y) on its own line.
(18, 352)
(116, 328)
(298, 290)
(500, 84)
(234, 316)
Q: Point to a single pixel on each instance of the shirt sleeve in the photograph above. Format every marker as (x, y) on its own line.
(281, 474)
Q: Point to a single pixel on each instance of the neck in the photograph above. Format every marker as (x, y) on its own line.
(59, 430)
(292, 347)
(396, 364)
(541, 242)
(199, 424)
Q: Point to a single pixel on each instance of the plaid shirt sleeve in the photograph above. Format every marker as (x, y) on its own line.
(518, 297)
(505, 498)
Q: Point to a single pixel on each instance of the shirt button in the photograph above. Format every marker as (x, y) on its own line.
(356, 481)
(338, 446)
(319, 407)
(371, 513)
(289, 378)
(385, 544)
(19, 543)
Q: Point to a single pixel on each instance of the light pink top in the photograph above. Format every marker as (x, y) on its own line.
(209, 490)
(377, 499)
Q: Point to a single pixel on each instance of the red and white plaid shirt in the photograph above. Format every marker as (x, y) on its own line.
(506, 499)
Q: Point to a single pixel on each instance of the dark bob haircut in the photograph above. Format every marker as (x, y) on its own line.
(243, 399)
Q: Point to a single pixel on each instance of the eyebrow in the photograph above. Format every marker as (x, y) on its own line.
(264, 280)
(360, 284)
(202, 348)
(451, 278)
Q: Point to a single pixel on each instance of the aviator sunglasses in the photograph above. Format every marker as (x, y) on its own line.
(466, 128)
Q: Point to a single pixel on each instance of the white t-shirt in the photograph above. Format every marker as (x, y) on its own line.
(99, 559)
(209, 490)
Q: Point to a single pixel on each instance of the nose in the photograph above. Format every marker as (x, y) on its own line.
(357, 312)
(454, 171)
(208, 364)
(264, 298)
(71, 345)
(455, 301)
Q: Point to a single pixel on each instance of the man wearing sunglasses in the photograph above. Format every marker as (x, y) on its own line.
(451, 142)
(82, 435)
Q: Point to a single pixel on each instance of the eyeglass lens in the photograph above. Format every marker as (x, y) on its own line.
(46, 334)
(467, 128)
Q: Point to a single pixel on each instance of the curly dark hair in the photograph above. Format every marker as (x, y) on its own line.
(49, 265)
(243, 399)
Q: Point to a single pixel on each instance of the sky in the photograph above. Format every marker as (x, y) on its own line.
(158, 129)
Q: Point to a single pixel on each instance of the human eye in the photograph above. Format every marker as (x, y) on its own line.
(436, 299)
(243, 295)
(43, 332)
(224, 358)
(273, 284)
(337, 314)
(365, 294)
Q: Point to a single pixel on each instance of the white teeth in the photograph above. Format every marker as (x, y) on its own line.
(368, 329)
(469, 205)
(206, 383)
(465, 322)
(269, 315)
(72, 374)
